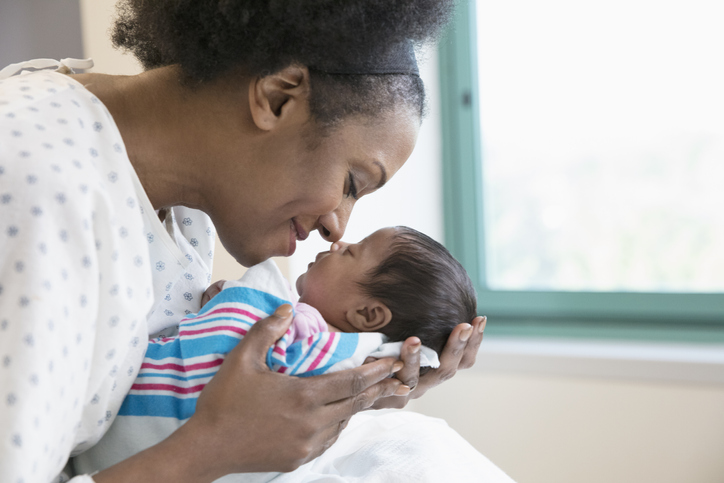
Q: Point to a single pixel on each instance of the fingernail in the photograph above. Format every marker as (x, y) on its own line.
(481, 327)
(403, 390)
(283, 311)
(397, 366)
(466, 333)
(415, 348)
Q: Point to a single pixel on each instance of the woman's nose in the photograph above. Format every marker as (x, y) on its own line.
(333, 224)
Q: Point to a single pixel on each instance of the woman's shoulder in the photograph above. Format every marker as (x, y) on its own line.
(29, 91)
(59, 147)
(52, 123)
(47, 104)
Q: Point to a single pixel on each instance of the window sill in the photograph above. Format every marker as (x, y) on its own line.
(626, 359)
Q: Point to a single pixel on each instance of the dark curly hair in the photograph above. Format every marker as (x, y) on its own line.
(425, 288)
(210, 38)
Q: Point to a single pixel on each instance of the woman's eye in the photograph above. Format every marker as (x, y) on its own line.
(352, 190)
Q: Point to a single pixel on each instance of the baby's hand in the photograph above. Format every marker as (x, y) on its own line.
(211, 292)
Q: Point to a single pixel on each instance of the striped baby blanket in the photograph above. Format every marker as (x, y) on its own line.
(176, 369)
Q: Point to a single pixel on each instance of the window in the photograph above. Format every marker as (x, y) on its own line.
(584, 165)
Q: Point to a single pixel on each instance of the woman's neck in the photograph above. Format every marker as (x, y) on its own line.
(170, 131)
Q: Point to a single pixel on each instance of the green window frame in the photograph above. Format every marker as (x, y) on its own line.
(690, 317)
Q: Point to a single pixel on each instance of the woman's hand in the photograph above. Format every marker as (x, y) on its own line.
(250, 419)
(460, 352)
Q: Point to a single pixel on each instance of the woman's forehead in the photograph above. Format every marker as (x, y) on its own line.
(388, 143)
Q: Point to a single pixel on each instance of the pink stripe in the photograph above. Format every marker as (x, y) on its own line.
(177, 367)
(279, 350)
(323, 353)
(218, 328)
(168, 387)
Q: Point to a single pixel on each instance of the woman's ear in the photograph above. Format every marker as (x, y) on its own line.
(369, 318)
(272, 98)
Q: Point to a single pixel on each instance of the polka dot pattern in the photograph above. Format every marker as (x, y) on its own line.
(181, 251)
(75, 278)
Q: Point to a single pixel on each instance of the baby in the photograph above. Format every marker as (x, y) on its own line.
(397, 281)
(355, 301)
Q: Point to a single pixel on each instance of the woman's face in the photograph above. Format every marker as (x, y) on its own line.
(294, 186)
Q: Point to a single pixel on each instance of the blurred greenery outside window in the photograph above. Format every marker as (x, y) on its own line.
(583, 163)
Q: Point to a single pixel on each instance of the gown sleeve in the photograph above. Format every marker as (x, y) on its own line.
(75, 283)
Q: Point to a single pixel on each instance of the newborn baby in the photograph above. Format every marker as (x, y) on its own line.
(397, 281)
(355, 301)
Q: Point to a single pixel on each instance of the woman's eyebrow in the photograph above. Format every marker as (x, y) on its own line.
(383, 174)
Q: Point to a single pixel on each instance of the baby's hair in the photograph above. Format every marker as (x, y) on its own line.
(425, 288)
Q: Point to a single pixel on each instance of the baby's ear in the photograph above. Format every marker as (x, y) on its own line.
(370, 317)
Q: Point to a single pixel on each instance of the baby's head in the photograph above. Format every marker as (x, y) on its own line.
(397, 281)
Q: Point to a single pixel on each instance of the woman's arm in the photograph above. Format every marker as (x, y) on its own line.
(250, 419)
(460, 352)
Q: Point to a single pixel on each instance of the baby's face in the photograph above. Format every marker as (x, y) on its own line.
(330, 283)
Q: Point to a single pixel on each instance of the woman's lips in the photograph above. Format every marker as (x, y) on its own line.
(296, 232)
(301, 232)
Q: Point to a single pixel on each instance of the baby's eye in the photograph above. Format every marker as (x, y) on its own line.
(352, 190)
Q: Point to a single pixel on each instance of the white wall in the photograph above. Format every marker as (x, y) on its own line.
(31, 29)
(560, 429)
(96, 19)
(543, 427)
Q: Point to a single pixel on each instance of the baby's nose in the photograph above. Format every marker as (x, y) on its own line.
(338, 245)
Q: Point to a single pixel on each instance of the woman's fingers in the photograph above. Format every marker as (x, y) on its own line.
(453, 352)
(343, 385)
(459, 353)
(471, 349)
(409, 375)
(333, 417)
(346, 408)
(410, 356)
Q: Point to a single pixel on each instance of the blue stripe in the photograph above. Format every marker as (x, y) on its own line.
(161, 406)
(212, 344)
(162, 351)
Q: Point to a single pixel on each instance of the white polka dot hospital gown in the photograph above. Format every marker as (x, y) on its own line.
(87, 271)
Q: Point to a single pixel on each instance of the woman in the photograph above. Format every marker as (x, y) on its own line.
(272, 118)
